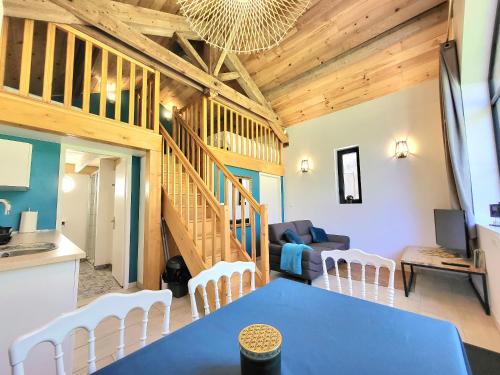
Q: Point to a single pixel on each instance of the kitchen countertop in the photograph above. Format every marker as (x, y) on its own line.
(66, 251)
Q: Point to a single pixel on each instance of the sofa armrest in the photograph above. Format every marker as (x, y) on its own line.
(339, 238)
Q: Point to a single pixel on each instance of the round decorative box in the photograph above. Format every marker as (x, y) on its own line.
(260, 350)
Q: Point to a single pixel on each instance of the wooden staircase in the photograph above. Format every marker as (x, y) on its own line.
(200, 201)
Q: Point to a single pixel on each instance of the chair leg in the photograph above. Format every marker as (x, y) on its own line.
(309, 282)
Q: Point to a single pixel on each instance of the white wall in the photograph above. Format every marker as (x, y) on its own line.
(398, 195)
(105, 212)
(489, 241)
(75, 210)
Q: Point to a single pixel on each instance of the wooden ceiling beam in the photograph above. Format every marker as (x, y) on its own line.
(100, 13)
(229, 76)
(144, 20)
(188, 48)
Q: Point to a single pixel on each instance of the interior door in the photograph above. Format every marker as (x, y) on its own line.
(75, 208)
(270, 194)
(119, 235)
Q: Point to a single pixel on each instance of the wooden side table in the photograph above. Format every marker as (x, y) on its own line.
(445, 260)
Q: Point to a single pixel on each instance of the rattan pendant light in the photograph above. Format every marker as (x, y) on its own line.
(242, 26)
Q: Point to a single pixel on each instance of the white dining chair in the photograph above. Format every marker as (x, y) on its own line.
(88, 317)
(363, 258)
(214, 274)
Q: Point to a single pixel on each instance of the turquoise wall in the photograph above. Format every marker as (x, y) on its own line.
(254, 176)
(42, 194)
(134, 218)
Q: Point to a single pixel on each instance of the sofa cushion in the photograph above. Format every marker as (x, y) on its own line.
(276, 232)
(302, 227)
(293, 237)
(328, 246)
(318, 235)
(306, 238)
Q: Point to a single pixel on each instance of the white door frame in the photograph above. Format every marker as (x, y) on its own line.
(103, 151)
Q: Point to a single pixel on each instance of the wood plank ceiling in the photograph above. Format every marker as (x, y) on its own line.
(339, 54)
(342, 53)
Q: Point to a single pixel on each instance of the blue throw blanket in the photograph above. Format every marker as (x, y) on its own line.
(291, 257)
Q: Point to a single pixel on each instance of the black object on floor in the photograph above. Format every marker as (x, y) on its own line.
(482, 361)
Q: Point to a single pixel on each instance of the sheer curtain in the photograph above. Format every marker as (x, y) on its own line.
(454, 134)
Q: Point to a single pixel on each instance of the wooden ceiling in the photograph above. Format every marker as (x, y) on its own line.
(339, 54)
(342, 53)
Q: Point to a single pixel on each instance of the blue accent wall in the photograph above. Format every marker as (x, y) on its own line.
(254, 176)
(42, 194)
(134, 218)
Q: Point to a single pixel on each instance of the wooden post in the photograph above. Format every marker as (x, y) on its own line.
(87, 76)
(264, 244)
(225, 248)
(104, 83)
(156, 109)
(68, 75)
(24, 80)
(153, 258)
(131, 95)
(118, 89)
(3, 48)
(225, 234)
(48, 68)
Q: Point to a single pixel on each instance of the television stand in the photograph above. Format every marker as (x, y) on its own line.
(445, 260)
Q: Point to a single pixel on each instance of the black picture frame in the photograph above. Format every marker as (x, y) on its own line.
(340, 174)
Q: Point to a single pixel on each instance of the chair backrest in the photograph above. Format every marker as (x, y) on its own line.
(359, 256)
(88, 317)
(221, 269)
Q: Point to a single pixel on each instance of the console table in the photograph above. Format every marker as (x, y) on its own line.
(445, 260)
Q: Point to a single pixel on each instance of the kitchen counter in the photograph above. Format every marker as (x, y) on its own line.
(66, 251)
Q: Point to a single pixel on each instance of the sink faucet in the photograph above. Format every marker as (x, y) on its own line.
(7, 206)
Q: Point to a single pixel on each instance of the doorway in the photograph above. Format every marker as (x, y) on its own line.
(94, 213)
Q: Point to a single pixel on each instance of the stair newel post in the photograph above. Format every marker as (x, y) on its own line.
(264, 244)
(225, 234)
(225, 249)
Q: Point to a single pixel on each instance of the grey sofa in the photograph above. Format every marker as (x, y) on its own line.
(311, 260)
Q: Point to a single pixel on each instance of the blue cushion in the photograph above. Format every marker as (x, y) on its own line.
(292, 237)
(318, 235)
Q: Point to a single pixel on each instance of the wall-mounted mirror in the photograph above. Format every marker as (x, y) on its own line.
(349, 176)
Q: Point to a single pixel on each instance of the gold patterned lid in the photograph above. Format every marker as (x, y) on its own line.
(260, 341)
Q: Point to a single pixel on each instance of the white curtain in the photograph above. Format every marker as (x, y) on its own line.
(454, 134)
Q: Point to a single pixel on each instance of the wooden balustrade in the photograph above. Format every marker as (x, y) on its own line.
(223, 127)
(90, 68)
(205, 219)
(248, 219)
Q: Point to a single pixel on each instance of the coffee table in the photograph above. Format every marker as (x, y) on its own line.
(445, 260)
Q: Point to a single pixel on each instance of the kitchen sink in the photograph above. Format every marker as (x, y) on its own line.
(26, 249)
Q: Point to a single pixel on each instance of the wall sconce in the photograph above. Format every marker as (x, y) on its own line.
(167, 114)
(401, 150)
(304, 166)
(111, 91)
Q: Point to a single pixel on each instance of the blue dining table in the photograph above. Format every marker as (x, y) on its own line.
(323, 333)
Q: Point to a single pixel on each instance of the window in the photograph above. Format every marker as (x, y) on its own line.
(495, 83)
(240, 200)
(349, 177)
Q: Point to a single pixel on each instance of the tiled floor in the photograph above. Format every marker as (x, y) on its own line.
(94, 282)
(437, 295)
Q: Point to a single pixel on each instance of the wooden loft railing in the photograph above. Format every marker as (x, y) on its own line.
(248, 221)
(141, 81)
(233, 135)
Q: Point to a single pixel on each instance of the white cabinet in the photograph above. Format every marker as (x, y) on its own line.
(15, 165)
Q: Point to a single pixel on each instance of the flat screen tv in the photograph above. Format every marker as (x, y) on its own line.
(451, 231)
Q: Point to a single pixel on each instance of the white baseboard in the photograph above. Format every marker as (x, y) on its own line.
(132, 285)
